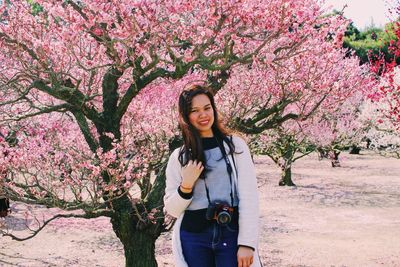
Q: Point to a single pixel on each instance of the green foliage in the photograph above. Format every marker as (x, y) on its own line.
(371, 40)
(36, 8)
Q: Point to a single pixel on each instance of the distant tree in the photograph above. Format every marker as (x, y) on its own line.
(387, 94)
(381, 136)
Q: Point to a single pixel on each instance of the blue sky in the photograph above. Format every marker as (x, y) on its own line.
(363, 12)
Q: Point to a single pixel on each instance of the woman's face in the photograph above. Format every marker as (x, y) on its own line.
(201, 115)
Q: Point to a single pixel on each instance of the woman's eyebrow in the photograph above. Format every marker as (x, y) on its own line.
(199, 107)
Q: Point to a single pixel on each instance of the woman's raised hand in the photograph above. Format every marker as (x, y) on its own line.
(190, 173)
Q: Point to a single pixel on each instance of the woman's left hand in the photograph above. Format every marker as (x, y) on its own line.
(245, 256)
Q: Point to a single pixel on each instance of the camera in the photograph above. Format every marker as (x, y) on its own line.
(220, 211)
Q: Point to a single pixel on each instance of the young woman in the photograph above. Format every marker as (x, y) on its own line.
(211, 189)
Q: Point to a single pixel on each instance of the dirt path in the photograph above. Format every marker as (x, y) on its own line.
(348, 216)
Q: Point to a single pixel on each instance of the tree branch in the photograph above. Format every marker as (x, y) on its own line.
(70, 95)
(58, 108)
(83, 125)
(24, 46)
(110, 92)
(88, 215)
(77, 8)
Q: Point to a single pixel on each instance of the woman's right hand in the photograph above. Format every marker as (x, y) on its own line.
(190, 173)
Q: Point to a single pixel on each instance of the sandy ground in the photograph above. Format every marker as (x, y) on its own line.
(348, 216)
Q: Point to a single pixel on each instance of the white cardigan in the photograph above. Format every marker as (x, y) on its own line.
(246, 183)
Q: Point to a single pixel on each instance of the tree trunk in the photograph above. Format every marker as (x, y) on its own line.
(138, 239)
(286, 177)
(355, 150)
(134, 227)
(335, 159)
(322, 154)
(131, 222)
(368, 143)
(140, 250)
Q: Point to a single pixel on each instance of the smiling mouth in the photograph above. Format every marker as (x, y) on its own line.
(204, 122)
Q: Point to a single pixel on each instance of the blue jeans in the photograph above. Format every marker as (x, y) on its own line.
(216, 246)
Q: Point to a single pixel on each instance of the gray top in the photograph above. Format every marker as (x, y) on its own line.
(217, 179)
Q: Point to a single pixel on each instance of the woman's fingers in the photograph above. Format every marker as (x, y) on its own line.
(199, 165)
(245, 256)
(191, 172)
(244, 262)
(195, 164)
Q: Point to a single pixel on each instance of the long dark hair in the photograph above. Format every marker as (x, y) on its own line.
(193, 148)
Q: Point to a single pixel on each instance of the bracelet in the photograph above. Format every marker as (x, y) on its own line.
(186, 188)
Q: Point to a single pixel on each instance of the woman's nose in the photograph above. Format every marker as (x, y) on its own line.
(203, 114)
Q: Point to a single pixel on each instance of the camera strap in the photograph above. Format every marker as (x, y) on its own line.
(228, 169)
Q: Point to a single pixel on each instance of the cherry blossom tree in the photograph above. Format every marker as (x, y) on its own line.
(384, 142)
(282, 108)
(76, 81)
(328, 130)
(284, 144)
(385, 100)
(294, 87)
(340, 128)
(381, 136)
(387, 94)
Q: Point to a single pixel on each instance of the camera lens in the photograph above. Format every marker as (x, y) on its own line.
(224, 217)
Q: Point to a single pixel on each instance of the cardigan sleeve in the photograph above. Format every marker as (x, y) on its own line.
(248, 195)
(174, 202)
